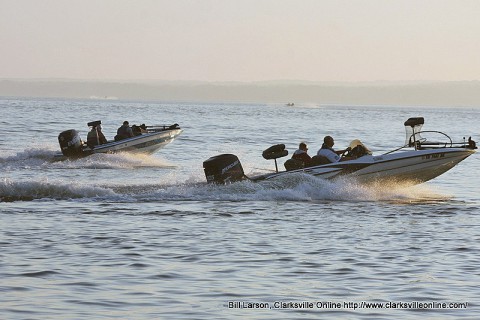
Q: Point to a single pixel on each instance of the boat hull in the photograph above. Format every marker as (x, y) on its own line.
(145, 143)
(422, 166)
(407, 166)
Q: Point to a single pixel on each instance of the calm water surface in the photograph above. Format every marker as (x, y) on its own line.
(143, 237)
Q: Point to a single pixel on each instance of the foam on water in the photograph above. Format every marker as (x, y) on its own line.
(45, 158)
(34, 190)
(114, 161)
(294, 187)
(297, 187)
(28, 157)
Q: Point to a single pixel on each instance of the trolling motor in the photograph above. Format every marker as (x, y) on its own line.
(275, 152)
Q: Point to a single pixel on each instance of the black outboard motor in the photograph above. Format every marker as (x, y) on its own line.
(223, 168)
(70, 143)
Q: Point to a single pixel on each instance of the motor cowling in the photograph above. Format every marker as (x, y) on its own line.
(70, 143)
(223, 169)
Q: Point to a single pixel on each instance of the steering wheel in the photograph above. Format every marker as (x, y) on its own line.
(346, 152)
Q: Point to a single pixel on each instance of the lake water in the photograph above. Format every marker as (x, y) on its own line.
(144, 237)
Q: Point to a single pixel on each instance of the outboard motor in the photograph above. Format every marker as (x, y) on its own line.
(70, 143)
(223, 168)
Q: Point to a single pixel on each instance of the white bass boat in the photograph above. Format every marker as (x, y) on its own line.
(146, 140)
(418, 161)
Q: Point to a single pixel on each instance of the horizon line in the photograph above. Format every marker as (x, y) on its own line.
(236, 82)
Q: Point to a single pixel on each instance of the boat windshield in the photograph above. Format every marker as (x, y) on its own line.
(412, 128)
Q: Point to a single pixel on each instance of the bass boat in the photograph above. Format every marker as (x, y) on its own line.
(146, 140)
(418, 161)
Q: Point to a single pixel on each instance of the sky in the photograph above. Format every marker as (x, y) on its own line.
(241, 40)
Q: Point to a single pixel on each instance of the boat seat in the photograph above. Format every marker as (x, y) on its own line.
(294, 164)
(319, 160)
(119, 137)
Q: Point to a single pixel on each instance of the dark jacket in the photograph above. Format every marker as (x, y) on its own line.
(124, 132)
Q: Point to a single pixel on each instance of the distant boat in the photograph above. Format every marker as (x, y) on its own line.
(290, 104)
(103, 98)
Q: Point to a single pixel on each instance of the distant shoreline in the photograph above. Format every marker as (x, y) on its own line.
(452, 94)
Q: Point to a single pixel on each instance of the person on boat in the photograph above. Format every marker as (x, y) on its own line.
(95, 137)
(301, 154)
(328, 152)
(124, 132)
(138, 130)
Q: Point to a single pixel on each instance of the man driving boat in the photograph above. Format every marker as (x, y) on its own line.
(328, 152)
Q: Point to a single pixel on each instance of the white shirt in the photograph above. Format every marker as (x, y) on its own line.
(329, 154)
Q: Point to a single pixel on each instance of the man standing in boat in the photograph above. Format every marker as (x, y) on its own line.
(95, 136)
(124, 132)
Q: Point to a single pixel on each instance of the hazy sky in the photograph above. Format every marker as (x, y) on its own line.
(241, 40)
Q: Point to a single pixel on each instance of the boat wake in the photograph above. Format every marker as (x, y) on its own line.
(297, 187)
(114, 161)
(45, 158)
(47, 190)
